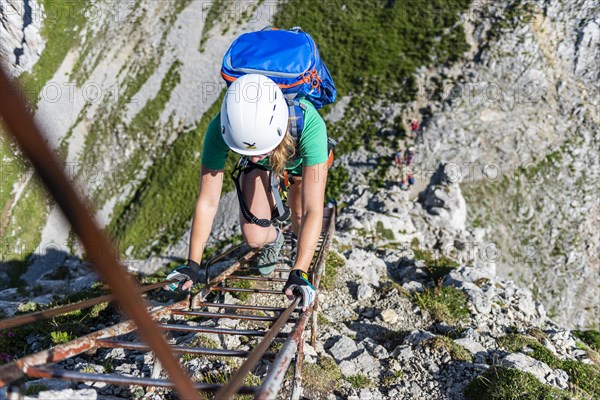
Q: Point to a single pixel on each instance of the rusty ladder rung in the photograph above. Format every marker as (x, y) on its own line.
(246, 317)
(115, 344)
(240, 306)
(217, 331)
(255, 278)
(252, 290)
(253, 269)
(114, 379)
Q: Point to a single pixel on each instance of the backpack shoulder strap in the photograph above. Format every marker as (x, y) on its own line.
(296, 112)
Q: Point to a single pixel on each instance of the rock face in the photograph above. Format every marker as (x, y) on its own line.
(20, 25)
(516, 124)
(443, 200)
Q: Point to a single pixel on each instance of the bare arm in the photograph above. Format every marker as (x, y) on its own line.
(207, 204)
(314, 180)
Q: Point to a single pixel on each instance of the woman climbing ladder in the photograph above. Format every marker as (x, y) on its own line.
(276, 132)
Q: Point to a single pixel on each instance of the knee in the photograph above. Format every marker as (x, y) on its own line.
(254, 235)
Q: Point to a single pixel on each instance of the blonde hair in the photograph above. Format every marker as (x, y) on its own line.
(282, 153)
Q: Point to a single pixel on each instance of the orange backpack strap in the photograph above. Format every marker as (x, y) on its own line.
(286, 180)
(331, 143)
(330, 159)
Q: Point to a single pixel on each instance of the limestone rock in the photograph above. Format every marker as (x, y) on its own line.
(364, 291)
(390, 316)
(527, 364)
(343, 349)
(20, 26)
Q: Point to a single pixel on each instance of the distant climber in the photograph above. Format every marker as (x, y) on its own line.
(409, 156)
(414, 125)
(403, 160)
(398, 159)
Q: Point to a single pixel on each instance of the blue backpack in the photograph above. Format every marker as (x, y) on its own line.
(291, 59)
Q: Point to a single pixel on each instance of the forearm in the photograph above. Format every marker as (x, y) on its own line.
(201, 227)
(308, 238)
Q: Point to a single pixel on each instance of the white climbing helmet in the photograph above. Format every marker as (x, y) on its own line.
(254, 115)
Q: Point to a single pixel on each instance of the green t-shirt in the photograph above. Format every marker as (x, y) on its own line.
(313, 143)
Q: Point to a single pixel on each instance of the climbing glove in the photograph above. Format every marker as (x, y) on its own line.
(298, 285)
(188, 272)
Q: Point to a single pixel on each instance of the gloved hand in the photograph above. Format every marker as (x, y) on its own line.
(186, 275)
(298, 285)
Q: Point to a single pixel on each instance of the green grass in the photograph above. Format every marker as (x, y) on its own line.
(108, 118)
(456, 351)
(445, 304)
(333, 263)
(240, 284)
(145, 130)
(376, 46)
(212, 16)
(35, 389)
(322, 378)
(515, 14)
(13, 342)
(60, 337)
(359, 381)
(221, 377)
(585, 377)
(202, 342)
(436, 266)
(372, 50)
(322, 320)
(170, 185)
(28, 217)
(376, 177)
(61, 28)
(499, 383)
(392, 378)
(338, 182)
(515, 342)
(143, 127)
(383, 232)
(11, 169)
(590, 337)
